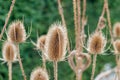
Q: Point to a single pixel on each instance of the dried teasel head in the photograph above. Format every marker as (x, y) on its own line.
(96, 43)
(39, 74)
(16, 32)
(117, 46)
(9, 52)
(41, 42)
(56, 42)
(116, 29)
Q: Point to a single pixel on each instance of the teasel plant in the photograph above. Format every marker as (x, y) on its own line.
(55, 45)
(40, 45)
(39, 74)
(9, 53)
(17, 34)
(80, 66)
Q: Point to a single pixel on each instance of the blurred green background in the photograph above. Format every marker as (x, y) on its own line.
(42, 13)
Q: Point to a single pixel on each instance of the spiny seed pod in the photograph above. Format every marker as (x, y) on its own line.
(116, 30)
(41, 42)
(39, 74)
(96, 43)
(56, 42)
(9, 52)
(16, 32)
(117, 46)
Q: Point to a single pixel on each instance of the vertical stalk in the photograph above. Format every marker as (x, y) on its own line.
(94, 66)
(55, 70)
(10, 70)
(20, 62)
(44, 61)
(7, 18)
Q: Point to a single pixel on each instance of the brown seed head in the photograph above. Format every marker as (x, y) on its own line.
(9, 52)
(96, 43)
(56, 42)
(116, 30)
(16, 32)
(39, 74)
(117, 46)
(41, 42)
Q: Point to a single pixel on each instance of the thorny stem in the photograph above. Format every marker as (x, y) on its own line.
(102, 16)
(55, 70)
(7, 18)
(63, 21)
(94, 66)
(44, 61)
(10, 70)
(20, 62)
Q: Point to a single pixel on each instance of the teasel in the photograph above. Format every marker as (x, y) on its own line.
(116, 30)
(9, 54)
(41, 46)
(96, 44)
(56, 42)
(39, 74)
(17, 35)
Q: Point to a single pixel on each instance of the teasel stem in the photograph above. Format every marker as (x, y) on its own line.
(10, 70)
(44, 61)
(94, 66)
(7, 18)
(55, 70)
(61, 12)
(102, 15)
(20, 62)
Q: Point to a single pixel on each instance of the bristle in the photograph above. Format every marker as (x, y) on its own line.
(96, 43)
(39, 74)
(41, 42)
(9, 52)
(56, 42)
(16, 32)
(117, 46)
(116, 30)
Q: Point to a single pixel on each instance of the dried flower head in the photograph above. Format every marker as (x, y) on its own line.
(9, 52)
(56, 42)
(16, 32)
(117, 46)
(96, 43)
(116, 29)
(39, 74)
(41, 42)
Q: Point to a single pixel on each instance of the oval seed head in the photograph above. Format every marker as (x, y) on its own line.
(16, 32)
(56, 42)
(116, 30)
(41, 42)
(117, 46)
(9, 52)
(39, 74)
(96, 43)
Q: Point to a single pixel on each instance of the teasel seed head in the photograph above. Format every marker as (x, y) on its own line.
(56, 42)
(16, 32)
(41, 42)
(96, 43)
(116, 29)
(117, 46)
(39, 74)
(9, 52)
